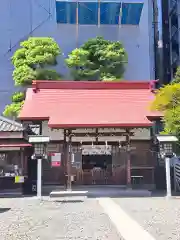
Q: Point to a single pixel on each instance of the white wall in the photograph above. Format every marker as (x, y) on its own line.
(58, 134)
(22, 18)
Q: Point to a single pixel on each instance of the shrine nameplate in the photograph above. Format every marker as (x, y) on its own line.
(96, 150)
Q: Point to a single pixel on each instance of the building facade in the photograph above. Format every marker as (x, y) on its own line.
(71, 24)
(174, 14)
(167, 38)
(15, 152)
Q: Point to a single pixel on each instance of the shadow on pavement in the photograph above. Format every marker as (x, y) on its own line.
(111, 191)
(68, 201)
(97, 192)
(3, 210)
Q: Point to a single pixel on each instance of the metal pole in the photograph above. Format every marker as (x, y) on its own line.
(175, 184)
(119, 25)
(99, 13)
(39, 176)
(168, 176)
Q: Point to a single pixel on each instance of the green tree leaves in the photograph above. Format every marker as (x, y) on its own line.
(18, 97)
(31, 62)
(168, 101)
(98, 59)
(33, 58)
(23, 75)
(13, 109)
(177, 76)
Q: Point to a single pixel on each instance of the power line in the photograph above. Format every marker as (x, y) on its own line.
(47, 10)
(31, 16)
(32, 30)
(10, 28)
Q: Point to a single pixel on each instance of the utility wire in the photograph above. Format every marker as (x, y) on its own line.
(11, 47)
(31, 17)
(10, 26)
(45, 9)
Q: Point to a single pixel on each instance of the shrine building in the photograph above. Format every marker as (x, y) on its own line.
(103, 131)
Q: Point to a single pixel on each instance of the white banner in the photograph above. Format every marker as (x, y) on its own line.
(56, 157)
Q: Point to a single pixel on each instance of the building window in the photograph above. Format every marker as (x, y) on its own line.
(88, 13)
(172, 4)
(10, 164)
(174, 40)
(131, 13)
(66, 12)
(110, 13)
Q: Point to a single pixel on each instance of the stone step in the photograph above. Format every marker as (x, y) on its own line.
(68, 194)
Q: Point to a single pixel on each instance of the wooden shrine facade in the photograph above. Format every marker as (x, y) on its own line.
(77, 114)
(129, 150)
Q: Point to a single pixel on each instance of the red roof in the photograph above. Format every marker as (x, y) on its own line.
(68, 104)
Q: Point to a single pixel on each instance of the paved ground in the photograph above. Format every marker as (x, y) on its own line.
(125, 224)
(30, 219)
(159, 216)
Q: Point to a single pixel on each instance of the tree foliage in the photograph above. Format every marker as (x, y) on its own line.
(177, 76)
(32, 61)
(23, 75)
(18, 97)
(98, 59)
(167, 97)
(168, 101)
(12, 110)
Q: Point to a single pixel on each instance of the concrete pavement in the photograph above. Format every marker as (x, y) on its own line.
(127, 227)
(31, 219)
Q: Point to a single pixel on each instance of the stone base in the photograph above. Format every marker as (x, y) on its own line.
(135, 193)
(68, 193)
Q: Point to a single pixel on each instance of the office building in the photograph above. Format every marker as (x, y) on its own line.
(71, 23)
(167, 38)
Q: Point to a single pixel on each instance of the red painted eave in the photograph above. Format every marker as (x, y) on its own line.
(40, 84)
(33, 118)
(15, 145)
(123, 125)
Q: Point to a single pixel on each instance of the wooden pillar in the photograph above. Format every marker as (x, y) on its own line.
(153, 176)
(26, 156)
(128, 165)
(69, 155)
(22, 160)
(64, 158)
